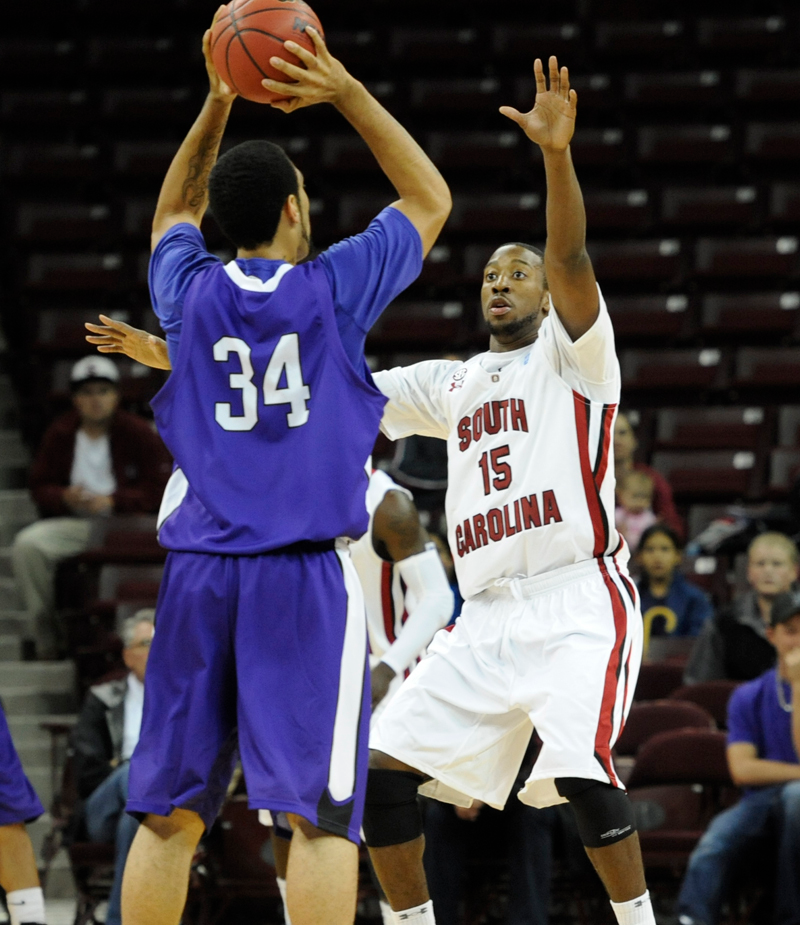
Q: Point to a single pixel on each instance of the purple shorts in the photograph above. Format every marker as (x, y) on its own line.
(18, 800)
(265, 652)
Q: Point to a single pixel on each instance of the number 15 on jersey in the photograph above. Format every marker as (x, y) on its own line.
(295, 393)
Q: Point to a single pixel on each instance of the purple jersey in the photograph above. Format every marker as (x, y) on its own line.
(265, 415)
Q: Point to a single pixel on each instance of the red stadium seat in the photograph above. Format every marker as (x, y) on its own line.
(628, 209)
(480, 150)
(596, 147)
(524, 43)
(778, 141)
(129, 582)
(649, 316)
(470, 95)
(711, 473)
(507, 213)
(789, 426)
(784, 202)
(763, 85)
(356, 211)
(676, 144)
(161, 104)
(637, 259)
(674, 369)
(443, 266)
(684, 88)
(38, 221)
(143, 158)
(437, 45)
(649, 718)
(712, 428)
(61, 329)
(753, 33)
(348, 153)
(52, 162)
(45, 106)
(657, 680)
(75, 271)
(712, 696)
(475, 258)
(356, 47)
(403, 321)
(138, 217)
(30, 57)
(767, 366)
(750, 313)
(645, 38)
(716, 205)
(767, 256)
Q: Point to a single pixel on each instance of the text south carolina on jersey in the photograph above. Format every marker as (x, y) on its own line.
(497, 523)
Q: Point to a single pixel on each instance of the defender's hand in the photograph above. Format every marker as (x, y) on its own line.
(218, 89)
(551, 122)
(322, 80)
(382, 677)
(117, 337)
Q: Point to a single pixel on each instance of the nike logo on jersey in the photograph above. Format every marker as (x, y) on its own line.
(490, 418)
(524, 514)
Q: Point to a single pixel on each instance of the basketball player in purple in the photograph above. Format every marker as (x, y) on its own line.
(18, 805)
(270, 414)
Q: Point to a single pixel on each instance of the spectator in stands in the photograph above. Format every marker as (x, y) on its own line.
(103, 741)
(634, 512)
(670, 604)
(736, 643)
(763, 750)
(94, 460)
(624, 449)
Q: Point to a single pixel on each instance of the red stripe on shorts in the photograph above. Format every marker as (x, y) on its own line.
(605, 726)
(589, 486)
(387, 600)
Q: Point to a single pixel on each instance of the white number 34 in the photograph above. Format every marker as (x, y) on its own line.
(295, 393)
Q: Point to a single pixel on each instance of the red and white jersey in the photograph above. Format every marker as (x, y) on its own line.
(530, 450)
(385, 594)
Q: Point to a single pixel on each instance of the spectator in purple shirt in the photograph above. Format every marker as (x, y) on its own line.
(763, 749)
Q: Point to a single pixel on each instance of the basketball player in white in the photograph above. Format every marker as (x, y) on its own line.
(550, 634)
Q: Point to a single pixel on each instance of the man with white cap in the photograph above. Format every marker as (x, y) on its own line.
(94, 460)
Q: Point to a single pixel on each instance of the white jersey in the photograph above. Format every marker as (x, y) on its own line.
(384, 591)
(530, 450)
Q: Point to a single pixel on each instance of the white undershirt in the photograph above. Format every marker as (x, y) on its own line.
(91, 465)
(134, 703)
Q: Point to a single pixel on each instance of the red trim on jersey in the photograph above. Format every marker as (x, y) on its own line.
(605, 726)
(589, 486)
(387, 600)
(605, 445)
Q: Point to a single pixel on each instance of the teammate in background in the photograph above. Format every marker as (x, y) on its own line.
(270, 414)
(550, 634)
(18, 805)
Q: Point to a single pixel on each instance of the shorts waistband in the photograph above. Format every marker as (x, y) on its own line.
(526, 588)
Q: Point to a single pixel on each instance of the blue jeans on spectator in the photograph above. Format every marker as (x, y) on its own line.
(728, 836)
(107, 821)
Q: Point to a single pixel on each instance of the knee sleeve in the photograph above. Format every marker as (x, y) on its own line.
(604, 813)
(391, 813)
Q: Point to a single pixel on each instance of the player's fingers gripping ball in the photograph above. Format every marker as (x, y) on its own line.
(249, 32)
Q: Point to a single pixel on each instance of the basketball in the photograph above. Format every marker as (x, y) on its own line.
(249, 33)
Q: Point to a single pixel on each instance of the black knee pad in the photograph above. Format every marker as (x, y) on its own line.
(391, 812)
(604, 813)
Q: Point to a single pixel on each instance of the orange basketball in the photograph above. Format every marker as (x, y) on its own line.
(249, 33)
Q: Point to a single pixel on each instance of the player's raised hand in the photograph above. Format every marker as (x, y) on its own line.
(551, 122)
(217, 86)
(117, 337)
(323, 79)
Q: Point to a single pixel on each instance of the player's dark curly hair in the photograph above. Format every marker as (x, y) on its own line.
(247, 190)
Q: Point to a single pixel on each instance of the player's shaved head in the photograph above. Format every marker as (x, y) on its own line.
(247, 190)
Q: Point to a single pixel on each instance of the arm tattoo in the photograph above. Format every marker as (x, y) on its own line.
(195, 187)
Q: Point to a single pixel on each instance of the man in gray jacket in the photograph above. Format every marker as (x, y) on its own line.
(103, 742)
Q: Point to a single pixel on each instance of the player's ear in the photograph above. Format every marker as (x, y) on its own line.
(544, 302)
(292, 209)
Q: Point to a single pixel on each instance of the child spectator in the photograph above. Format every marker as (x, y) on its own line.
(670, 604)
(634, 513)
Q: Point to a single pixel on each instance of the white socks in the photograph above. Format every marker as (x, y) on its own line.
(635, 911)
(26, 906)
(282, 888)
(417, 915)
(387, 916)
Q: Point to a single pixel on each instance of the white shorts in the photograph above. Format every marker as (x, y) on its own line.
(559, 652)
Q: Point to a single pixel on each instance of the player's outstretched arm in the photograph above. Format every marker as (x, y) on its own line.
(550, 124)
(184, 192)
(424, 195)
(117, 337)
